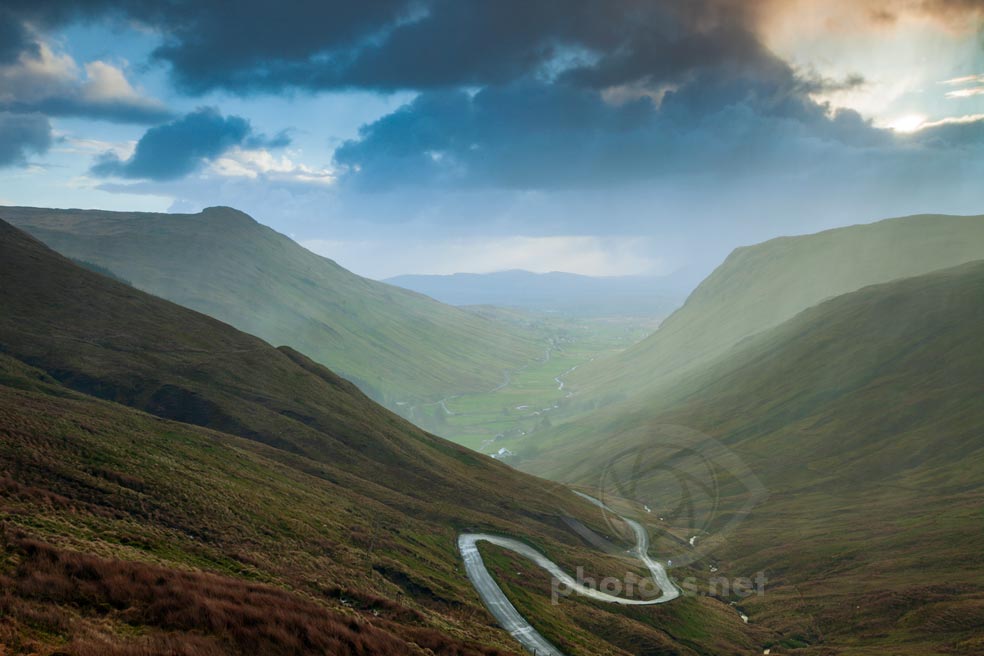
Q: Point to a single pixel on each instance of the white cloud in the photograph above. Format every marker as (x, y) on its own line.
(966, 79)
(973, 85)
(54, 83)
(953, 120)
(914, 123)
(260, 162)
(106, 83)
(35, 78)
(965, 93)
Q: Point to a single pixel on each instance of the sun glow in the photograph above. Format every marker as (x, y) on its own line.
(907, 123)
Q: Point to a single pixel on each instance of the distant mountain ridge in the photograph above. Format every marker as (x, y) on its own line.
(562, 292)
(396, 345)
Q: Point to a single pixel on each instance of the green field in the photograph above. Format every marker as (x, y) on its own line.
(530, 396)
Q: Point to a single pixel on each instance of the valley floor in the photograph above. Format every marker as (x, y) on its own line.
(495, 422)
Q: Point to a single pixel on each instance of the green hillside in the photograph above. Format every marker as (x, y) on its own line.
(758, 287)
(171, 485)
(861, 417)
(396, 345)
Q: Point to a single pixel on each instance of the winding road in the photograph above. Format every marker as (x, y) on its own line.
(507, 615)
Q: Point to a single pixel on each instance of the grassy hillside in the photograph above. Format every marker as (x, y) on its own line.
(862, 418)
(758, 287)
(171, 485)
(396, 345)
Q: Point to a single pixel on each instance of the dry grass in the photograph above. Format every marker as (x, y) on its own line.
(55, 591)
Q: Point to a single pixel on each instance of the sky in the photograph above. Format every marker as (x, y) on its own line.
(624, 137)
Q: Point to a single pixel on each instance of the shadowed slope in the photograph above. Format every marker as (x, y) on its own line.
(395, 344)
(110, 340)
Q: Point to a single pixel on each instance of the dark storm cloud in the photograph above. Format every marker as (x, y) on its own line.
(419, 44)
(539, 135)
(22, 135)
(542, 68)
(450, 43)
(560, 92)
(116, 112)
(424, 44)
(175, 149)
(14, 38)
(509, 134)
(211, 43)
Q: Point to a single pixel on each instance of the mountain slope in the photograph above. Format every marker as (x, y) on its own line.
(395, 344)
(758, 287)
(567, 293)
(223, 496)
(126, 534)
(109, 340)
(861, 417)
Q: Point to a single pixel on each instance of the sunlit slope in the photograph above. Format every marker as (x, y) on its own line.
(862, 418)
(758, 287)
(173, 485)
(395, 344)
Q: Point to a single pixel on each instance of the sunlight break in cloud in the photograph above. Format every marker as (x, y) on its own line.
(907, 123)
